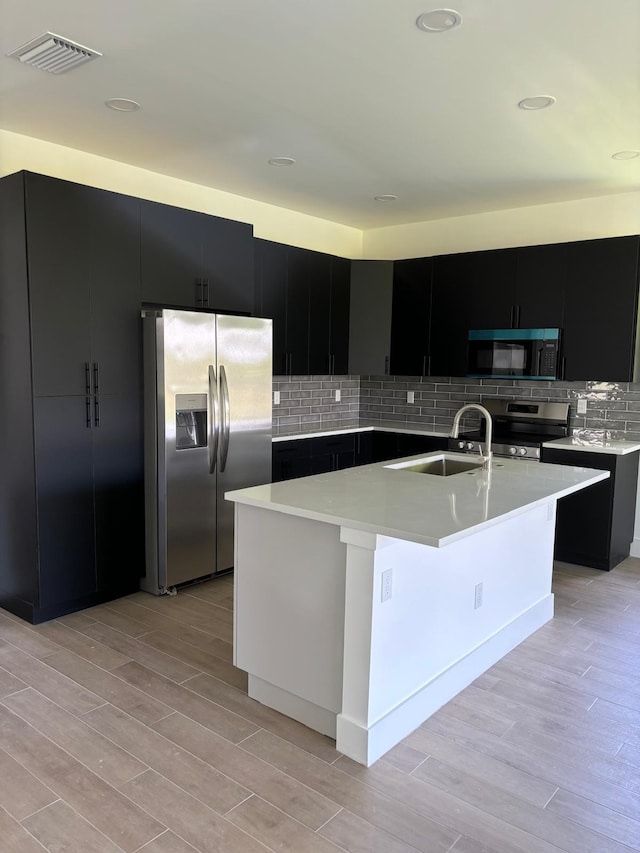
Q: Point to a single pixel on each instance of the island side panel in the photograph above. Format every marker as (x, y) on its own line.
(429, 640)
(289, 613)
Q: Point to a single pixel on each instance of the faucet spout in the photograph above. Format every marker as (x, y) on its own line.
(486, 456)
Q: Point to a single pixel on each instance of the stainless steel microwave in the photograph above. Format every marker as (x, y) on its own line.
(514, 353)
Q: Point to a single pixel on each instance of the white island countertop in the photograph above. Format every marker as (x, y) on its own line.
(422, 508)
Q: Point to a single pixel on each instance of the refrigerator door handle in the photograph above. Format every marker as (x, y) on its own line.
(214, 426)
(225, 417)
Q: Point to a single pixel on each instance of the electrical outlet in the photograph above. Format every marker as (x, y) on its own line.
(387, 584)
(338, 395)
(276, 398)
(582, 407)
(478, 597)
(411, 396)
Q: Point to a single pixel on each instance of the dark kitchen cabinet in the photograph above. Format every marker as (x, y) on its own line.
(318, 455)
(540, 282)
(271, 295)
(194, 260)
(600, 309)
(70, 392)
(306, 294)
(473, 290)
(411, 317)
(340, 315)
(594, 527)
(370, 305)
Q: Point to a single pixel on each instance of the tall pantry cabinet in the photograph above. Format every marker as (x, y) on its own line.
(71, 507)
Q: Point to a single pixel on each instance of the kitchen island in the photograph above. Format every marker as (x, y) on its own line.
(367, 598)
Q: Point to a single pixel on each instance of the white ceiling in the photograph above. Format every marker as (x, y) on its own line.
(366, 102)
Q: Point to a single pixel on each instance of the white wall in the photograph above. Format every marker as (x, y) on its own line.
(270, 222)
(606, 216)
(584, 219)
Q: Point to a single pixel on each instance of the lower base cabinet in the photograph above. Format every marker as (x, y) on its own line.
(302, 457)
(594, 527)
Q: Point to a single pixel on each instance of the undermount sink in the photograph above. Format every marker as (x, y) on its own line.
(442, 465)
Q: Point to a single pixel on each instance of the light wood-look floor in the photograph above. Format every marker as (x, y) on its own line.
(126, 728)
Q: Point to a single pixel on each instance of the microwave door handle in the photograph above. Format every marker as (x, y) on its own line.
(225, 417)
(538, 360)
(214, 425)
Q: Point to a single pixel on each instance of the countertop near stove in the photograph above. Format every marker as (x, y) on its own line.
(588, 444)
(424, 508)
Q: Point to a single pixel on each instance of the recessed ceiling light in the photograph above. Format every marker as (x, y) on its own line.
(282, 161)
(122, 105)
(625, 155)
(385, 198)
(439, 20)
(537, 102)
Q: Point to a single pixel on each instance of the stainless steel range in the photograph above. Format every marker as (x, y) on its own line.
(519, 428)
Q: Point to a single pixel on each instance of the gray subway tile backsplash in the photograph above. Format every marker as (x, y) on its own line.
(308, 402)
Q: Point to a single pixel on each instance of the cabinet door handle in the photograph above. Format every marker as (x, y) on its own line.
(386, 365)
(517, 326)
(87, 403)
(87, 378)
(96, 411)
(428, 373)
(205, 293)
(96, 377)
(199, 296)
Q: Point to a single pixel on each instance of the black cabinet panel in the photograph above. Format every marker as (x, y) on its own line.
(228, 261)
(73, 483)
(450, 314)
(600, 307)
(116, 336)
(118, 493)
(411, 317)
(192, 260)
(318, 276)
(64, 473)
(340, 316)
(271, 296)
(171, 255)
(59, 240)
(594, 527)
(301, 457)
(307, 295)
(299, 272)
(540, 281)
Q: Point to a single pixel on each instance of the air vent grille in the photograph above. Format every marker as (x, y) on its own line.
(53, 53)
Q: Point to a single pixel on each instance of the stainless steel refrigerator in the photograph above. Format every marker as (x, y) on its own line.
(207, 380)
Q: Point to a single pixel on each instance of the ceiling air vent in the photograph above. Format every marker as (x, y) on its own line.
(53, 53)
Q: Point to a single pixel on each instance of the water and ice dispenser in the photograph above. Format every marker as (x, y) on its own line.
(191, 421)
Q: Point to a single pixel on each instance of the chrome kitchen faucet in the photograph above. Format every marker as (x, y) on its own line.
(485, 457)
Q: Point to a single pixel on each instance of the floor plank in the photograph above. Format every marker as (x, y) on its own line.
(125, 727)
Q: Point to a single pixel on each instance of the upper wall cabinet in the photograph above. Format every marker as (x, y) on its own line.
(600, 309)
(411, 317)
(474, 290)
(193, 260)
(370, 317)
(589, 289)
(306, 294)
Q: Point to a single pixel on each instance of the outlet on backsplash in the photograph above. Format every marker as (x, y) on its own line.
(582, 407)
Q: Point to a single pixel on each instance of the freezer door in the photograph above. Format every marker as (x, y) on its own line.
(245, 380)
(188, 427)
